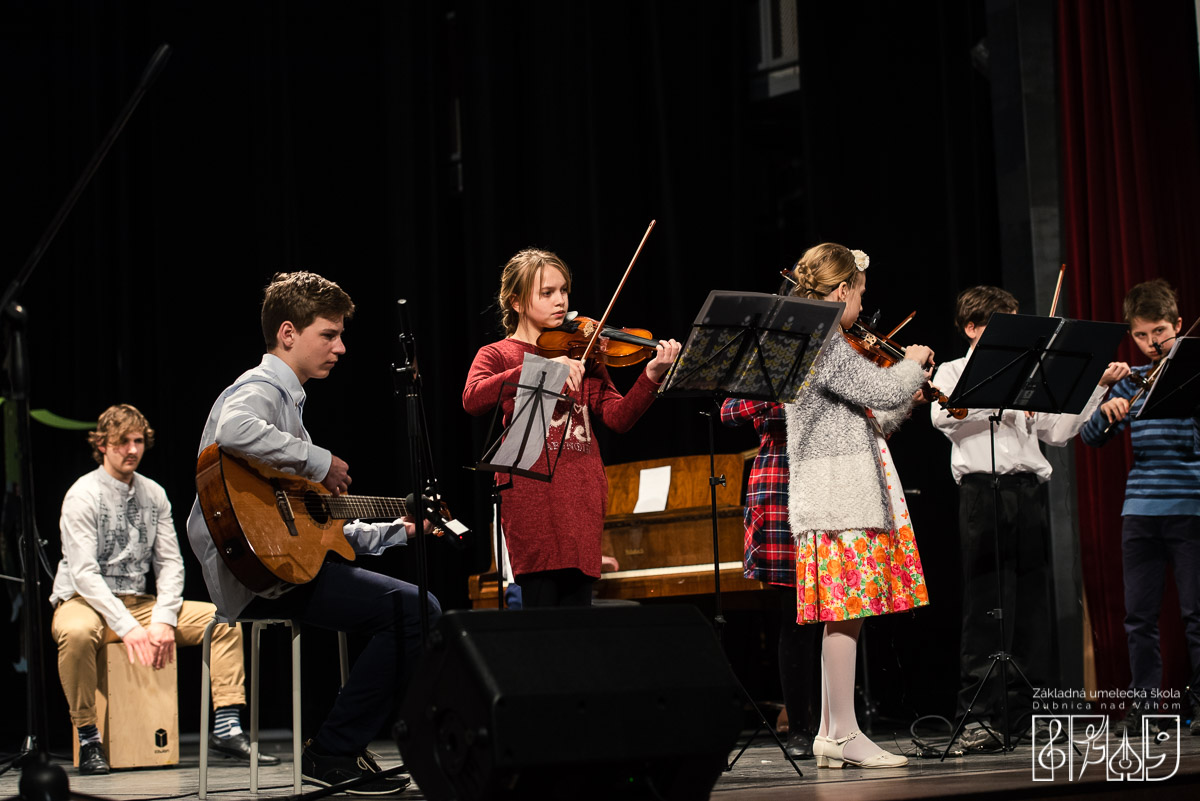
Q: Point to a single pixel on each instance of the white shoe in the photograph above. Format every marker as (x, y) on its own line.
(819, 744)
(835, 752)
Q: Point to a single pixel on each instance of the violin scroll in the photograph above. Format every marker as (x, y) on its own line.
(935, 394)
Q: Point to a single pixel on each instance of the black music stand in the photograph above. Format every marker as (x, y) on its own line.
(511, 452)
(1174, 391)
(751, 345)
(1034, 364)
(755, 346)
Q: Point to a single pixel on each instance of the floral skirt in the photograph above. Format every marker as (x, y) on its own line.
(842, 575)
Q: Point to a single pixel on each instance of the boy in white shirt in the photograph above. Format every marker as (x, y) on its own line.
(1022, 471)
(260, 416)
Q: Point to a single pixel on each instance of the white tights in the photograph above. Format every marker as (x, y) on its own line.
(839, 647)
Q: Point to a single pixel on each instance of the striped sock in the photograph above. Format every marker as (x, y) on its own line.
(88, 734)
(228, 722)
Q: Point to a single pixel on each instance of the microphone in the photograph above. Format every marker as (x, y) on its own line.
(1158, 345)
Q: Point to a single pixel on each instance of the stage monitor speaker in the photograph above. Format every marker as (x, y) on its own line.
(575, 703)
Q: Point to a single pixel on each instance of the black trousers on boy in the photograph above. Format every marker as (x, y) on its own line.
(345, 597)
(1024, 578)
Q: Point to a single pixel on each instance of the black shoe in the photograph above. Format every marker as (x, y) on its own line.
(238, 747)
(92, 761)
(799, 745)
(1131, 724)
(1195, 726)
(369, 761)
(326, 770)
(1044, 728)
(979, 740)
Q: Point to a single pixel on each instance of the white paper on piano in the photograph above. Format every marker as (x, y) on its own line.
(532, 427)
(654, 485)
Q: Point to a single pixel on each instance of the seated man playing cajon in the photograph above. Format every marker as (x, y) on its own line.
(116, 524)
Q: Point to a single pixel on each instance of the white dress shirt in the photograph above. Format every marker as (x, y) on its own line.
(261, 416)
(1017, 436)
(112, 534)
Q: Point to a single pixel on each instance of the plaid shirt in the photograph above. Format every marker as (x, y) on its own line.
(770, 552)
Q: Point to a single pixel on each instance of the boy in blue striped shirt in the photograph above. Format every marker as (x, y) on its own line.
(1161, 515)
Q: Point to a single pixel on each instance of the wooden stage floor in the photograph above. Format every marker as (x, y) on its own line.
(761, 774)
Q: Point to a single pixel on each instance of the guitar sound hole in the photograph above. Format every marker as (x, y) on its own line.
(316, 508)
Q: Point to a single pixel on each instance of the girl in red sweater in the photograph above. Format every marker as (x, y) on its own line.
(553, 529)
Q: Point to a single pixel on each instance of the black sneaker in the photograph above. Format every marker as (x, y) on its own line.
(326, 770)
(1046, 726)
(92, 761)
(370, 761)
(979, 740)
(1131, 724)
(1195, 726)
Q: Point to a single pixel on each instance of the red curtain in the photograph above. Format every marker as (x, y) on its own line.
(1128, 79)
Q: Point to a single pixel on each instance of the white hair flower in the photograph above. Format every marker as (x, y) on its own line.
(861, 260)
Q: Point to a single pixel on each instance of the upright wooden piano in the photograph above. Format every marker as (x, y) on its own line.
(669, 553)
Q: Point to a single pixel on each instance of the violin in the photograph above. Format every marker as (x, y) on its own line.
(616, 347)
(1146, 382)
(587, 339)
(884, 352)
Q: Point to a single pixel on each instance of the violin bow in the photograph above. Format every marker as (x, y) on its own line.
(903, 323)
(1187, 334)
(1057, 289)
(1193, 328)
(620, 286)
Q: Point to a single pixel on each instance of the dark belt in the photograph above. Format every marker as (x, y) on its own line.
(1005, 479)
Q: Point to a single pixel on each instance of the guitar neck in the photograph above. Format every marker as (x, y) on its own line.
(350, 507)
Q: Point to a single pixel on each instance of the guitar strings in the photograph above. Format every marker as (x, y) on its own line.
(360, 503)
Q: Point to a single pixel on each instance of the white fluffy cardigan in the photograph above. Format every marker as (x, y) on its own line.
(835, 481)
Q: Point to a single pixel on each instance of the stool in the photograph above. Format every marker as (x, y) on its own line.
(206, 692)
(137, 711)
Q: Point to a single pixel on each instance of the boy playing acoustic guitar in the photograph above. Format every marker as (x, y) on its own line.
(259, 417)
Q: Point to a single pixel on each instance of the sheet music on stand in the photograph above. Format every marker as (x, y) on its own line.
(1174, 393)
(752, 345)
(1036, 364)
(758, 347)
(526, 438)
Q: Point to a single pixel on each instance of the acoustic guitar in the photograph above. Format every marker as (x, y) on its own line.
(270, 526)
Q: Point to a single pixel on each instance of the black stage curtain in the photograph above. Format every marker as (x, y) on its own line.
(407, 149)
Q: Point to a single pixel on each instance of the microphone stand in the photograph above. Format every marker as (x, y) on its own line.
(406, 377)
(406, 382)
(39, 778)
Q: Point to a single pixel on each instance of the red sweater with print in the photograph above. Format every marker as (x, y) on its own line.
(557, 524)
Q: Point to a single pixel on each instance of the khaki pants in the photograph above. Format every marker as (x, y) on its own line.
(81, 632)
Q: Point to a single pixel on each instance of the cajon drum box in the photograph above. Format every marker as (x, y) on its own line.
(138, 711)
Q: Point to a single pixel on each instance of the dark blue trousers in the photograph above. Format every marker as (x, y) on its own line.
(344, 597)
(1148, 546)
